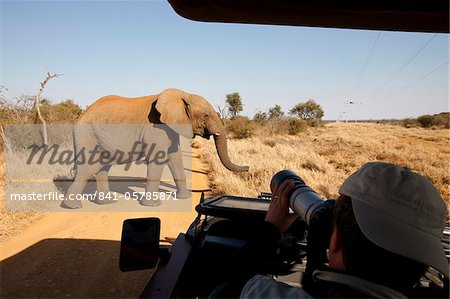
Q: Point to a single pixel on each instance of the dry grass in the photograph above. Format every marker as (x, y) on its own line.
(325, 156)
(11, 223)
(12, 219)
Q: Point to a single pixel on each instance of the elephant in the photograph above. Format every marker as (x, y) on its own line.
(166, 115)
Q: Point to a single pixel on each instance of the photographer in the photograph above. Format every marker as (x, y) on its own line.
(382, 233)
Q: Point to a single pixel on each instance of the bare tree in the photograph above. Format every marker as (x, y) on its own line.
(5, 140)
(37, 103)
(18, 108)
(224, 113)
(2, 88)
(3, 105)
(3, 101)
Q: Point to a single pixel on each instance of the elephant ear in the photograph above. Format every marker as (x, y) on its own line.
(175, 110)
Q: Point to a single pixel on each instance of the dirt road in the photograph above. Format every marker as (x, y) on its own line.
(75, 255)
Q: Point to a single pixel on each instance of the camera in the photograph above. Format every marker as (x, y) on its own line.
(303, 200)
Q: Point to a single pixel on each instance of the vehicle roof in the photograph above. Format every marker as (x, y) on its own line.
(392, 15)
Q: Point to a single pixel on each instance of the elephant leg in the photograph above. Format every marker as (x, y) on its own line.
(154, 173)
(177, 169)
(101, 178)
(73, 196)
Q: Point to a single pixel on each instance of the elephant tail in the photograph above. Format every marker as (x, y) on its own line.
(73, 170)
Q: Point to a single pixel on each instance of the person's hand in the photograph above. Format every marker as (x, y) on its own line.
(278, 213)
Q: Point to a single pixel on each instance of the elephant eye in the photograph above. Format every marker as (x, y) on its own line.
(206, 115)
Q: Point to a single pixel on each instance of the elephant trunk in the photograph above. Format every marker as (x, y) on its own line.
(222, 151)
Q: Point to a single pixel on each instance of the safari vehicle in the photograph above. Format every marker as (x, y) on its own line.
(201, 260)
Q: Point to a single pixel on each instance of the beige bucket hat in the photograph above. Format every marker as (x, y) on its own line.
(400, 211)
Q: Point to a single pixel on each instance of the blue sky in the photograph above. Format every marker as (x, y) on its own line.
(134, 48)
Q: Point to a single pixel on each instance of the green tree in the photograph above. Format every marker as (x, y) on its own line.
(275, 112)
(234, 103)
(308, 110)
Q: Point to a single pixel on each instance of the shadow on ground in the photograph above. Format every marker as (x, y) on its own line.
(120, 184)
(70, 268)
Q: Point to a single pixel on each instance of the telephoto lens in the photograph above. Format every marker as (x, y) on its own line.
(302, 200)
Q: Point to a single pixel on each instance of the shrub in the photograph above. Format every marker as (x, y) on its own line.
(277, 126)
(296, 126)
(64, 112)
(409, 123)
(260, 117)
(314, 123)
(442, 119)
(426, 121)
(21, 111)
(437, 120)
(291, 126)
(241, 127)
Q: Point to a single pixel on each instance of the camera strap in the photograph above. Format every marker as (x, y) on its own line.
(318, 240)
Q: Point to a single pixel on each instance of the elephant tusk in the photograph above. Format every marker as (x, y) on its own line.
(216, 134)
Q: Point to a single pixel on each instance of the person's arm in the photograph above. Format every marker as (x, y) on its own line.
(262, 247)
(265, 287)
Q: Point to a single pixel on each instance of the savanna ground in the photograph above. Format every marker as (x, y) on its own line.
(76, 255)
(324, 157)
